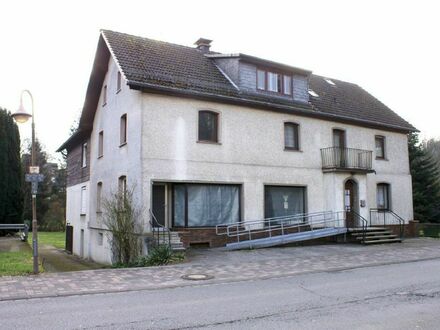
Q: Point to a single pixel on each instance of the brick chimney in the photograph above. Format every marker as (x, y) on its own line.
(203, 45)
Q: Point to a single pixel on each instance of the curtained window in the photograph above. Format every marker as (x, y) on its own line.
(208, 126)
(380, 147)
(198, 205)
(383, 196)
(291, 136)
(283, 201)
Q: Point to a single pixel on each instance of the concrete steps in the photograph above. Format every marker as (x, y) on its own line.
(174, 240)
(375, 236)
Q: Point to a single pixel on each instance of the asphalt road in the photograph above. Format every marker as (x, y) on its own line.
(399, 296)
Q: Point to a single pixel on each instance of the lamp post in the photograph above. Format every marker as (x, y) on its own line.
(22, 116)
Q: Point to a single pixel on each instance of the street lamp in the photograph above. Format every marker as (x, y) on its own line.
(22, 116)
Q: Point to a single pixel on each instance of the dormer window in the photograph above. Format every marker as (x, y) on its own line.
(274, 82)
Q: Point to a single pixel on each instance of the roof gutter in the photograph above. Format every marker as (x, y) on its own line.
(305, 110)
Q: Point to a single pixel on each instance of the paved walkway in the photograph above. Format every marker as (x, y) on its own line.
(223, 266)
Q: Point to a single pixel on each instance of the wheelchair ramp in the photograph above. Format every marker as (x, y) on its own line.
(283, 230)
(285, 239)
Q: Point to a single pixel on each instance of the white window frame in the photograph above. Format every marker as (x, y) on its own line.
(83, 205)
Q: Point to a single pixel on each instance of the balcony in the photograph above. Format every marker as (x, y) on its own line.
(336, 159)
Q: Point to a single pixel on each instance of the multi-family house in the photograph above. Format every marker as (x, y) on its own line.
(206, 139)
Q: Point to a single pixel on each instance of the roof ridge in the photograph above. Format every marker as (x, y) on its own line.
(146, 38)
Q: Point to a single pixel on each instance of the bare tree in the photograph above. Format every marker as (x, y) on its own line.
(122, 218)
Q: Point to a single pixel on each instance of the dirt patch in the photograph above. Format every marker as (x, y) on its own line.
(13, 244)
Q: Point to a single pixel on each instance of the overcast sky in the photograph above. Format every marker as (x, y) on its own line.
(392, 49)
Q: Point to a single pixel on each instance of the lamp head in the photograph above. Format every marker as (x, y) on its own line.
(21, 115)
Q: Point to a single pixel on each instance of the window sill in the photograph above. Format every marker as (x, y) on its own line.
(379, 158)
(122, 144)
(118, 91)
(100, 156)
(83, 166)
(82, 215)
(208, 142)
(292, 149)
(104, 104)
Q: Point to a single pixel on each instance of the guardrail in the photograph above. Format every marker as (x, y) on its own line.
(17, 226)
(346, 158)
(283, 225)
(382, 218)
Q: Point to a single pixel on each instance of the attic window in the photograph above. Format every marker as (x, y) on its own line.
(104, 95)
(118, 82)
(329, 81)
(312, 92)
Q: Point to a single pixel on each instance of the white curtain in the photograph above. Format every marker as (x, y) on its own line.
(208, 205)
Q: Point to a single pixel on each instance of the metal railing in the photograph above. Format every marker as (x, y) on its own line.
(362, 222)
(161, 234)
(383, 218)
(346, 158)
(23, 228)
(283, 225)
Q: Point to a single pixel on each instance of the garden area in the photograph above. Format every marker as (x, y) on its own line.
(16, 256)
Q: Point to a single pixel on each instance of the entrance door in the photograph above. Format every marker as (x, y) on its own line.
(159, 204)
(350, 202)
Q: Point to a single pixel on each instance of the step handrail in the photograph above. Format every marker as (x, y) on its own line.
(238, 230)
(364, 224)
(155, 225)
(395, 217)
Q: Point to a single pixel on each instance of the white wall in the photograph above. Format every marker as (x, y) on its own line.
(76, 219)
(117, 160)
(251, 152)
(162, 146)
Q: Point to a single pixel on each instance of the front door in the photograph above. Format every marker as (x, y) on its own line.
(159, 204)
(350, 202)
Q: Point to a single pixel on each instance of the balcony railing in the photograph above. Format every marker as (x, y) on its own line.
(346, 159)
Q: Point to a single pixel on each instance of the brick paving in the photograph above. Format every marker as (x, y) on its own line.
(223, 266)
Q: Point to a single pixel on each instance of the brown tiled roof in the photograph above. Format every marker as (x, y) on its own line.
(149, 63)
(349, 100)
(169, 68)
(161, 63)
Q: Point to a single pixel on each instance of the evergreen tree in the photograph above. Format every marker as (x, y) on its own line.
(425, 180)
(11, 195)
(44, 188)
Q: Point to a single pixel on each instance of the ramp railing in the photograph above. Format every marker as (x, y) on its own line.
(283, 225)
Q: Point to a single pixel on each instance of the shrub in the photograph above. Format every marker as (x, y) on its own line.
(158, 256)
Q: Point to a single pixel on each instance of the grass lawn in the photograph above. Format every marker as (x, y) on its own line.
(56, 239)
(15, 263)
